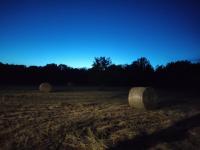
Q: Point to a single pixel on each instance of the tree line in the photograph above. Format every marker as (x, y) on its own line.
(104, 73)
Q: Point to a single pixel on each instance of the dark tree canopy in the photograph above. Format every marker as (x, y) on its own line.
(101, 63)
(103, 72)
(142, 64)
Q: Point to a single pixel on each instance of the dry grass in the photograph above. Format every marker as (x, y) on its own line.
(85, 120)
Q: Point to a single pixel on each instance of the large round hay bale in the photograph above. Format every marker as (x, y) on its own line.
(143, 98)
(45, 87)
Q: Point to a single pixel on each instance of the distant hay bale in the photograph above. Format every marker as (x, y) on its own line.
(45, 87)
(143, 98)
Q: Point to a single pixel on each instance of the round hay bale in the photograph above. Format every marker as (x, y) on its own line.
(45, 87)
(143, 98)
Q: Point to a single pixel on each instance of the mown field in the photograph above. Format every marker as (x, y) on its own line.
(81, 118)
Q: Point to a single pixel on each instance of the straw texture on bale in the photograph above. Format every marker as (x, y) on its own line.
(45, 87)
(142, 98)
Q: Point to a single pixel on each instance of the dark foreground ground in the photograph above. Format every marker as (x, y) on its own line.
(83, 118)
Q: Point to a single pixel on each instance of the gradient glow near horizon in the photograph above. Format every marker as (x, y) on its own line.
(73, 32)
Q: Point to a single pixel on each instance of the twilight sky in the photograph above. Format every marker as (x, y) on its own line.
(73, 32)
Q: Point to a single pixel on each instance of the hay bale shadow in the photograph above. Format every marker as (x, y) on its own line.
(176, 132)
(168, 98)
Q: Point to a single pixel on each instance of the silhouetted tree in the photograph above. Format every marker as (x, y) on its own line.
(63, 67)
(103, 72)
(141, 72)
(142, 64)
(101, 63)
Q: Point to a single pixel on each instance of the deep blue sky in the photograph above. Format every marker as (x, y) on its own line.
(73, 32)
